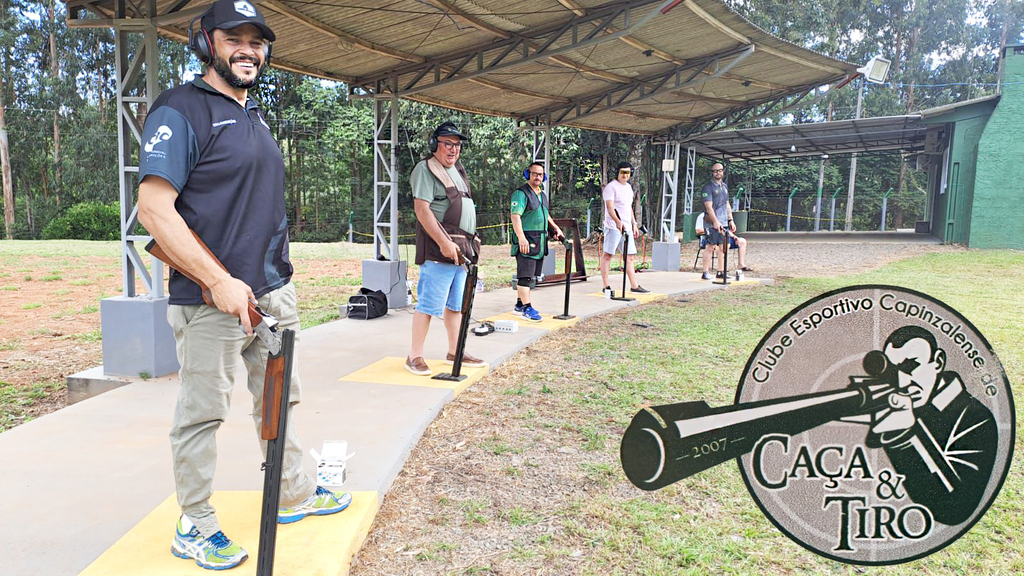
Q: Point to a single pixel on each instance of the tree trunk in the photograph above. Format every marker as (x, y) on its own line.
(102, 85)
(1002, 44)
(55, 75)
(298, 189)
(5, 167)
(355, 183)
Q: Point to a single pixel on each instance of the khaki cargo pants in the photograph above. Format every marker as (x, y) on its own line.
(209, 344)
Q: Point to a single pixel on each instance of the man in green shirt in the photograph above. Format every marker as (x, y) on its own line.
(530, 221)
(445, 234)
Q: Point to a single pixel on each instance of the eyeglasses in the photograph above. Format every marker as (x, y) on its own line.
(451, 145)
(625, 171)
(537, 174)
(719, 170)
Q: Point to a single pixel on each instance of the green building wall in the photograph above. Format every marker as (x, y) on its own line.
(997, 207)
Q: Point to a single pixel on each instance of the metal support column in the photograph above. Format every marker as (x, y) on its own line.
(133, 100)
(817, 203)
(385, 178)
(853, 165)
(665, 255)
(691, 165)
(137, 340)
(542, 153)
(386, 272)
(669, 193)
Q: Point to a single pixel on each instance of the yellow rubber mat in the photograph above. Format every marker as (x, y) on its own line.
(718, 282)
(641, 298)
(321, 545)
(391, 370)
(548, 322)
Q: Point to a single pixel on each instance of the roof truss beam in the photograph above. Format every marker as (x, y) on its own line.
(519, 48)
(701, 71)
(357, 43)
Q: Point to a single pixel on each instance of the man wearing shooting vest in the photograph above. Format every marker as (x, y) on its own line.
(531, 220)
(445, 239)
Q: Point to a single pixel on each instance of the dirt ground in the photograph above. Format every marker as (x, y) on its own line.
(50, 322)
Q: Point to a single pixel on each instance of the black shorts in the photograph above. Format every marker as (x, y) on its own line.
(715, 238)
(528, 267)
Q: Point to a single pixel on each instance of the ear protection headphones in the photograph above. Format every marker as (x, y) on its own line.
(202, 44)
(526, 173)
(432, 142)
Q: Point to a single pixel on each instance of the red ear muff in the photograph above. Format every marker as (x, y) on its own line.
(200, 43)
(207, 44)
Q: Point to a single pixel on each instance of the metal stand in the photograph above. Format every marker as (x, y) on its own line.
(274, 463)
(568, 278)
(625, 249)
(725, 256)
(467, 310)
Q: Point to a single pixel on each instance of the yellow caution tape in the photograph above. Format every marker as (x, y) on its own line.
(792, 216)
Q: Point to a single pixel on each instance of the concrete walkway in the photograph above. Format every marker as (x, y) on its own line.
(77, 481)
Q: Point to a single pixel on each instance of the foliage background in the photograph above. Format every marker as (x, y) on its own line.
(57, 99)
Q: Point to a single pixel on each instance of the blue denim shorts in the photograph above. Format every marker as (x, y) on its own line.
(440, 286)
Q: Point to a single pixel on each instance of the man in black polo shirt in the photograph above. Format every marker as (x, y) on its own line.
(210, 164)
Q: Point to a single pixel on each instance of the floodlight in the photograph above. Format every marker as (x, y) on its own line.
(792, 148)
(876, 70)
(668, 165)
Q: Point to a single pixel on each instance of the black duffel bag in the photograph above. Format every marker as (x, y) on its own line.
(367, 304)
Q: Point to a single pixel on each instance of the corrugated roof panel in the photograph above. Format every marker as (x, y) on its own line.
(380, 36)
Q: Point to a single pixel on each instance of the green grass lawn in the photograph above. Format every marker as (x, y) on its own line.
(708, 524)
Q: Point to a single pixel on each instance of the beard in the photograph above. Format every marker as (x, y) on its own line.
(223, 69)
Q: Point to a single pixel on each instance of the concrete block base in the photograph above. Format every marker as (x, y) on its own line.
(92, 382)
(666, 256)
(389, 277)
(137, 340)
(551, 260)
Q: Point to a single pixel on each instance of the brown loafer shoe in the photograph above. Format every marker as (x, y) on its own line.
(467, 361)
(417, 366)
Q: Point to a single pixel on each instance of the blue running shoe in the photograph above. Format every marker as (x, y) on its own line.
(321, 503)
(217, 552)
(530, 314)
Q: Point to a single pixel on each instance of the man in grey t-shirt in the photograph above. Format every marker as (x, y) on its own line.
(718, 215)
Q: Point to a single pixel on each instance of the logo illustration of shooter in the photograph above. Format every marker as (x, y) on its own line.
(872, 425)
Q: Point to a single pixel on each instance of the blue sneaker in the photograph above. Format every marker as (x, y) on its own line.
(214, 553)
(518, 307)
(321, 503)
(530, 314)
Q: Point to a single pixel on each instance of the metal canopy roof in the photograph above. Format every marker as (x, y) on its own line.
(892, 133)
(662, 67)
(917, 132)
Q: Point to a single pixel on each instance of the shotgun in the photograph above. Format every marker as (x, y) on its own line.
(277, 382)
(263, 325)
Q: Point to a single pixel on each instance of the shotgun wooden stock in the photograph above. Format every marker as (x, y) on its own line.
(273, 388)
(158, 252)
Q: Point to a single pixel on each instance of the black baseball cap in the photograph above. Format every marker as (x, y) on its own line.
(228, 14)
(449, 129)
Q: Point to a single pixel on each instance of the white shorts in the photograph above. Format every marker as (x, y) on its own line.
(613, 242)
